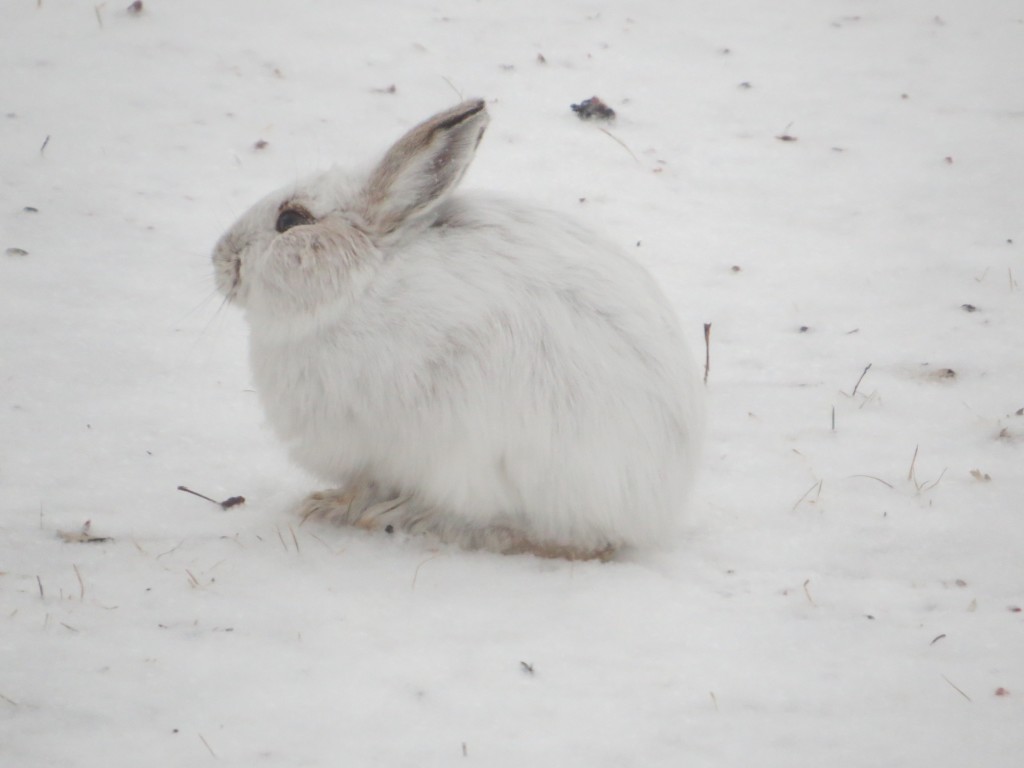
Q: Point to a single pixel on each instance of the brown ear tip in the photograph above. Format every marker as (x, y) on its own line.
(460, 114)
(472, 107)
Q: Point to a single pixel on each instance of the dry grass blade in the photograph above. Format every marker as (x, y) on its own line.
(416, 573)
(452, 86)
(808, 492)
(620, 142)
(913, 461)
(877, 479)
(928, 486)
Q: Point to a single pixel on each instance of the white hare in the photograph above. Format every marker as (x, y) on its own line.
(463, 365)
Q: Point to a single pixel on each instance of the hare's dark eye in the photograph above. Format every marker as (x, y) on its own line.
(292, 217)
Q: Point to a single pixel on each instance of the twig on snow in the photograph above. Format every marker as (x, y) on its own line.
(226, 504)
(81, 584)
(207, 745)
(955, 688)
(862, 375)
(808, 592)
(707, 351)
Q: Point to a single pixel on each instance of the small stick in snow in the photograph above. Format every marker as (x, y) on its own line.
(707, 351)
(46, 141)
(207, 745)
(226, 504)
(13, 703)
(280, 536)
(81, 584)
(953, 686)
(527, 668)
(808, 592)
(42, 594)
(862, 375)
(714, 700)
(936, 639)
(833, 418)
(785, 135)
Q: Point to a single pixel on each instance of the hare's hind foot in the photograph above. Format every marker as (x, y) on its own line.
(362, 505)
(505, 540)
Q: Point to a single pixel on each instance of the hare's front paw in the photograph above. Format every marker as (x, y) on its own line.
(358, 504)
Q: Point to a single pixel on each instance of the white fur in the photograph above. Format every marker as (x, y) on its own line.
(510, 379)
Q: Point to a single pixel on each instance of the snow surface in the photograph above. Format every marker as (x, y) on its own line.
(833, 600)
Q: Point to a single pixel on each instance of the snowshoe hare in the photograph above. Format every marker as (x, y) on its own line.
(462, 365)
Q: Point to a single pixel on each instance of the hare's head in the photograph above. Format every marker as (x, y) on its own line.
(316, 241)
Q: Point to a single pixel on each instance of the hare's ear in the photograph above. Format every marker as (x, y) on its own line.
(424, 165)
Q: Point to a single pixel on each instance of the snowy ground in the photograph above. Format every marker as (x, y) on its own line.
(833, 600)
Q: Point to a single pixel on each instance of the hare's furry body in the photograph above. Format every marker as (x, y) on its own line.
(484, 371)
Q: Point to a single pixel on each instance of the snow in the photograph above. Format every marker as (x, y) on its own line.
(839, 596)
